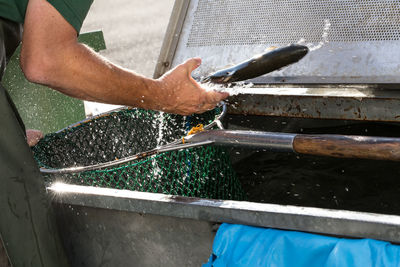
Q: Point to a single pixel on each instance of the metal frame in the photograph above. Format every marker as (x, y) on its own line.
(366, 102)
(171, 37)
(315, 220)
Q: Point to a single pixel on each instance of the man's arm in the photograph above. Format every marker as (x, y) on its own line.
(52, 56)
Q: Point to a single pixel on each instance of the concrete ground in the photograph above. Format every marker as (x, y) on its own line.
(133, 31)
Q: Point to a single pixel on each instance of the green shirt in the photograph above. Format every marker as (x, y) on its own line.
(74, 11)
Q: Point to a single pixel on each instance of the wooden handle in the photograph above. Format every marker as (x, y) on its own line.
(342, 146)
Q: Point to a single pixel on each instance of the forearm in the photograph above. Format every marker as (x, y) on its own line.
(77, 71)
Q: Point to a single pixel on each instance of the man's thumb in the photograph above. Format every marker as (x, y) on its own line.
(193, 63)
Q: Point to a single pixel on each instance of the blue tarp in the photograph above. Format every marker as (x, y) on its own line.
(239, 245)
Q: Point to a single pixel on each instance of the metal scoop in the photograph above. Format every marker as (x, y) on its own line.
(259, 65)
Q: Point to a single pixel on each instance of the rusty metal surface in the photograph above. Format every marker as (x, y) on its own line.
(361, 103)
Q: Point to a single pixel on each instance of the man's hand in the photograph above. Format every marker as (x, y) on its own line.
(33, 137)
(183, 95)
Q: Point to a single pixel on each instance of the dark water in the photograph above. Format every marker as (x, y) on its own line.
(348, 184)
(358, 185)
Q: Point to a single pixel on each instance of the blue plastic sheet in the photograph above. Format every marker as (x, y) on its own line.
(239, 245)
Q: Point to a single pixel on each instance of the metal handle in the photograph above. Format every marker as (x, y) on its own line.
(340, 146)
(254, 139)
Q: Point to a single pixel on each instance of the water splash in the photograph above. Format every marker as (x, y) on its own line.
(324, 39)
(159, 124)
(232, 89)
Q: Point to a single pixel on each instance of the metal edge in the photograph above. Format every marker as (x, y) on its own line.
(307, 219)
(177, 145)
(357, 108)
(171, 37)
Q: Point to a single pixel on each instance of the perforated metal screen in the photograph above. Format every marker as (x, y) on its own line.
(352, 41)
(239, 22)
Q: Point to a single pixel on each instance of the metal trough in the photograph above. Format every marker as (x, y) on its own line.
(353, 77)
(106, 227)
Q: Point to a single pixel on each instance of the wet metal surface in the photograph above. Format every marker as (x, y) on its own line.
(316, 220)
(106, 237)
(344, 103)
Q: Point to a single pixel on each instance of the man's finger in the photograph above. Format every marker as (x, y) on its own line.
(216, 97)
(209, 107)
